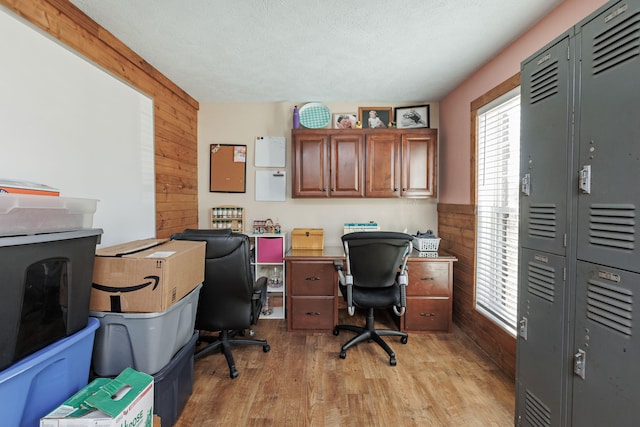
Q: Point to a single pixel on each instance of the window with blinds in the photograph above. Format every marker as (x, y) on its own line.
(498, 141)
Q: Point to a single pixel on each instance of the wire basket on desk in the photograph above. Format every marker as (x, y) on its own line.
(426, 244)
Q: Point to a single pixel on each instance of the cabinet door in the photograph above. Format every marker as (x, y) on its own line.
(310, 165)
(383, 165)
(419, 165)
(545, 149)
(347, 166)
(609, 200)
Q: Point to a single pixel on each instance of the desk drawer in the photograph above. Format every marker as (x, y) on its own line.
(312, 279)
(312, 314)
(429, 279)
(428, 314)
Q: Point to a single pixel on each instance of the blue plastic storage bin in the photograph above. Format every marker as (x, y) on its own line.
(37, 384)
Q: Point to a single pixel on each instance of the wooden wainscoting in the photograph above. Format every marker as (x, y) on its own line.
(175, 112)
(456, 228)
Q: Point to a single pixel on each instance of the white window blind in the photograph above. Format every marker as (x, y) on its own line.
(498, 137)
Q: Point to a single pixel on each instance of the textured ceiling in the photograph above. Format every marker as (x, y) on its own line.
(317, 50)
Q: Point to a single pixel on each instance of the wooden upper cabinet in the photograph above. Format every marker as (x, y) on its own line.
(364, 163)
(419, 165)
(328, 164)
(310, 165)
(383, 164)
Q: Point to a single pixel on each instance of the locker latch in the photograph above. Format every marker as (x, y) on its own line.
(526, 184)
(580, 363)
(523, 328)
(585, 179)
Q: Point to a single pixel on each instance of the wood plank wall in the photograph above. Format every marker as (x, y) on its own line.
(175, 112)
(456, 228)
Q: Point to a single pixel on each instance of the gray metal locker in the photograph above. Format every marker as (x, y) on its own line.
(606, 382)
(609, 134)
(542, 372)
(546, 146)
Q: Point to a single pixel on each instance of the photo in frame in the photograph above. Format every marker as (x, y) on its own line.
(374, 117)
(344, 120)
(416, 116)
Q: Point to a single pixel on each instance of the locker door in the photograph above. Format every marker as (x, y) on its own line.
(541, 369)
(609, 158)
(545, 152)
(607, 352)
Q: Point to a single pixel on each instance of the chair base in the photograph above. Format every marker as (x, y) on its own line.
(369, 333)
(223, 342)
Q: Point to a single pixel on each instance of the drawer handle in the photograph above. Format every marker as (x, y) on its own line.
(426, 278)
(427, 314)
(312, 278)
(312, 313)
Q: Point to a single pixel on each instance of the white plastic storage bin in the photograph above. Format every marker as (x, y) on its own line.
(145, 342)
(30, 214)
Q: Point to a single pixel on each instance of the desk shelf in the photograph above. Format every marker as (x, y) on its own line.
(268, 261)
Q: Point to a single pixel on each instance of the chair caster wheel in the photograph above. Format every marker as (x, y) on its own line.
(343, 355)
(392, 361)
(266, 348)
(233, 374)
(404, 340)
(336, 331)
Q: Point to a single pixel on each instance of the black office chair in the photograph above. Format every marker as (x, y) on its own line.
(375, 278)
(230, 301)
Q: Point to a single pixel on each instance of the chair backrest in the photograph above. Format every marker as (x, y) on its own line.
(225, 297)
(374, 257)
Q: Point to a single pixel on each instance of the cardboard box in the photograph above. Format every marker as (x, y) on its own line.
(307, 238)
(146, 276)
(126, 400)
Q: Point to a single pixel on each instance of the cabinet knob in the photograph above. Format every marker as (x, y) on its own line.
(312, 313)
(426, 278)
(312, 278)
(333, 189)
(427, 314)
(324, 189)
(395, 189)
(404, 189)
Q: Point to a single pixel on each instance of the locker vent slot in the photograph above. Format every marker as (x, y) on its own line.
(544, 82)
(617, 45)
(610, 305)
(612, 225)
(536, 413)
(542, 221)
(541, 281)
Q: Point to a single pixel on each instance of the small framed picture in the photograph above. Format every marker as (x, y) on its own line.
(344, 120)
(412, 117)
(374, 117)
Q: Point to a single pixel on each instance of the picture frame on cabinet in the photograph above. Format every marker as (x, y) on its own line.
(416, 116)
(344, 120)
(374, 117)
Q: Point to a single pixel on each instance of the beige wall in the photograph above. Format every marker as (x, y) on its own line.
(242, 123)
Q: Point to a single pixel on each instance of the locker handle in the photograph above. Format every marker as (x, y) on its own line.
(580, 363)
(585, 179)
(526, 184)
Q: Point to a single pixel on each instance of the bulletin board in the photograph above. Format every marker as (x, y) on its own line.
(228, 168)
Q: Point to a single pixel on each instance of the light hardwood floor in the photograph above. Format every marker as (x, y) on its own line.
(440, 380)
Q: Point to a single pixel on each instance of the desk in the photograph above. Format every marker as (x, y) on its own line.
(312, 294)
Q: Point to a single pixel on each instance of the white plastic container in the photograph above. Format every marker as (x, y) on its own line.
(145, 342)
(22, 214)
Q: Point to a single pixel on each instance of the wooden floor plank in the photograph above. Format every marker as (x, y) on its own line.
(440, 380)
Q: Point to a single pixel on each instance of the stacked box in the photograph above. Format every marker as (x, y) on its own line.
(145, 342)
(37, 384)
(174, 384)
(30, 214)
(46, 286)
(146, 276)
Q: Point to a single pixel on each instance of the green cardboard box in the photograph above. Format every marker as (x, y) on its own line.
(126, 400)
